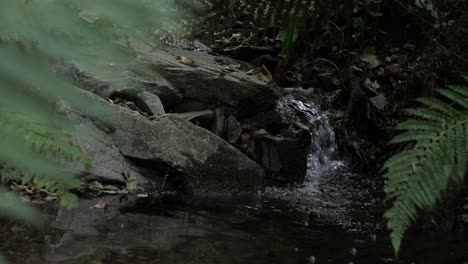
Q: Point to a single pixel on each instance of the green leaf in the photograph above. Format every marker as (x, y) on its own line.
(417, 178)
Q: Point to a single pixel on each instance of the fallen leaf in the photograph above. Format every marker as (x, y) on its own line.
(262, 77)
(101, 205)
(373, 86)
(371, 60)
(188, 61)
(236, 35)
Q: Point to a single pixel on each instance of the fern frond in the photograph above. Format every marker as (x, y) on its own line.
(455, 97)
(438, 105)
(417, 178)
(462, 90)
(426, 125)
(34, 137)
(413, 135)
(426, 113)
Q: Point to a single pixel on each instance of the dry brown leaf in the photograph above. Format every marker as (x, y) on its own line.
(101, 205)
(188, 61)
(262, 77)
(372, 85)
(371, 60)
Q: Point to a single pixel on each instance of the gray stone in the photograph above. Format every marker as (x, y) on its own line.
(189, 116)
(284, 159)
(379, 101)
(181, 87)
(108, 163)
(204, 162)
(132, 106)
(218, 122)
(233, 129)
(150, 103)
(200, 118)
(207, 83)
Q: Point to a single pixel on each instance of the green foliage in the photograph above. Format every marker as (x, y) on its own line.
(33, 153)
(36, 36)
(417, 178)
(296, 16)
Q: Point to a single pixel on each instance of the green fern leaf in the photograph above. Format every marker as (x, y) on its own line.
(438, 105)
(420, 124)
(426, 113)
(413, 135)
(455, 97)
(417, 178)
(461, 90)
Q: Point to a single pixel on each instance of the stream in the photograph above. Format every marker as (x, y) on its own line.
(330, 218)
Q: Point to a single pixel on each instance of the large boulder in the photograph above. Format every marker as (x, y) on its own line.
(211, 81)
(184, 81)
(109, 165)
(204, 162)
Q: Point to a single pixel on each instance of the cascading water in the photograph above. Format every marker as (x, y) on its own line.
(322, 162)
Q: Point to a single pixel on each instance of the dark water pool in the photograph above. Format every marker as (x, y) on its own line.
(211, 232)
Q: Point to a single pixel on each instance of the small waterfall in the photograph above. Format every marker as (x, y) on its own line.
(322, 161)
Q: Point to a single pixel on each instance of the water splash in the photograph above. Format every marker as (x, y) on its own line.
(322, 162)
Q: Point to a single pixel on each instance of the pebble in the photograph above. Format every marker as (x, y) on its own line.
(311, 260)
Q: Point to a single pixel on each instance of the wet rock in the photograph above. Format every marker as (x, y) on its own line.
(285, 159)
(352, 251)
(150, 103)
(233, 129)
(361, 113)
(311, 260)
(203, 161)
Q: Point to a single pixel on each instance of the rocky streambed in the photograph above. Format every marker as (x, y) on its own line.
(213, 176)
(207, 124)
(202, 158)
